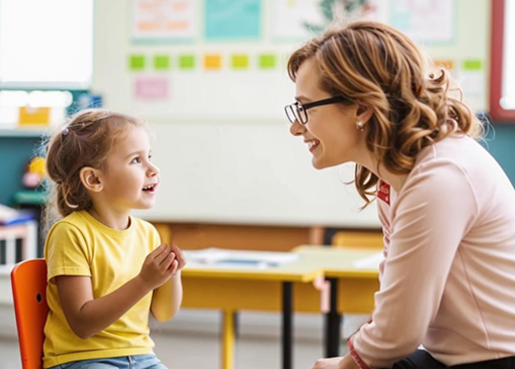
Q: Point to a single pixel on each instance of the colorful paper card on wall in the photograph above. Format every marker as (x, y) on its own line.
(164, 19)
(151, 87)
(425, 21)
(212, 62)
(30, 116)
(472, 65)
(232, 19)
(267, 61)
(136, 62)
(290, 20)
(240, 62)
(161, 62)
(186, 61)
(447, 64)
(472, 78)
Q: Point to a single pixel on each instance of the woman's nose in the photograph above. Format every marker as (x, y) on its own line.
(297, 129)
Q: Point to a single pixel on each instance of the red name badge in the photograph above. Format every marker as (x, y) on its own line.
(384, 192)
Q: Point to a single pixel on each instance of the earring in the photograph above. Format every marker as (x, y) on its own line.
(359, 125)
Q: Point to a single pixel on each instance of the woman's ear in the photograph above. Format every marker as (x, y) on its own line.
(90, 178)
(364, 113)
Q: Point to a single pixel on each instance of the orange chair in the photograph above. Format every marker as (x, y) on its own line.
(29, 281)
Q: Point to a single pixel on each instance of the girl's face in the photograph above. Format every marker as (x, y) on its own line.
(130, 179)
(330, 131)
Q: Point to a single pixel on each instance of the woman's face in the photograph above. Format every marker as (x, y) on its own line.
(330, 133)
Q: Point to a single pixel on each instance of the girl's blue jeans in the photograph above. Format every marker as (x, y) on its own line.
(124, 362)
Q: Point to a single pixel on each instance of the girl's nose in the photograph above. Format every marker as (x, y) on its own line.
(154, 170)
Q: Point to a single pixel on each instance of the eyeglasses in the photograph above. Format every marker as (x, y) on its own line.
(298, 112)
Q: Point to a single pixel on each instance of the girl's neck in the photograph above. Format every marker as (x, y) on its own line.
(112, 219)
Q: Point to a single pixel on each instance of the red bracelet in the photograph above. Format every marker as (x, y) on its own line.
(357, 359)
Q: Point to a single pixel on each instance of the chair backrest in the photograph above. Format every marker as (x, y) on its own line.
(358, 239)
(29, 281)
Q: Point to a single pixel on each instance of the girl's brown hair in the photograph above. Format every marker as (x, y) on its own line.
(374, 65)
(85, 141)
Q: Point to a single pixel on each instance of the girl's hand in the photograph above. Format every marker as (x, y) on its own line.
(331, 363)
(180, 260)
(158, 266)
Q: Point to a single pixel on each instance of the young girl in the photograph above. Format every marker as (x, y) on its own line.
(106, 269)
(365, 95)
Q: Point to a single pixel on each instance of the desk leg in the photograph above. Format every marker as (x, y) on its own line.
(333, 323)
(287, 325)
(228, 339)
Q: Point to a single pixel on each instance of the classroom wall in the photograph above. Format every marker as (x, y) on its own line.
(238, 169)
(197, 159)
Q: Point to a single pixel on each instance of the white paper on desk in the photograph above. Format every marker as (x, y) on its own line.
(239, 258)
(370, 262)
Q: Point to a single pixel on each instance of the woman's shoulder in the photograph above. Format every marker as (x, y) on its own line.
(460, 152)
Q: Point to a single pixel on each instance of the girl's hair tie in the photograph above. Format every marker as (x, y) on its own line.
(66, 131)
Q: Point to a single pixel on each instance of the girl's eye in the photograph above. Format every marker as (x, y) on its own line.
(135, 160)
(150, 158)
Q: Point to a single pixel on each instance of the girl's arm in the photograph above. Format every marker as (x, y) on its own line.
(167, 299)
(88, 316)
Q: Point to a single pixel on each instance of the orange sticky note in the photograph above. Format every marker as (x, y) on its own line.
(34, 116)
(447, 64)
(212, 62)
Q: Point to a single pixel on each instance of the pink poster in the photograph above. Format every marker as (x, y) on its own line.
(151, 87)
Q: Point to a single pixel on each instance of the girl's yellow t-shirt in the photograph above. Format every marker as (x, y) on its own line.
(79, 245)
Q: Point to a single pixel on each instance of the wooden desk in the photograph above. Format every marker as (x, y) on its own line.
(288, 288)
(352, 289)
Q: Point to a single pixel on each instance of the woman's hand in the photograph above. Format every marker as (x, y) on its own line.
(336, 363)
(331, 363)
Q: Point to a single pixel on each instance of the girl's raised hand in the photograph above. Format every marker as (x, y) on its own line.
(159, 266)
(180, 260)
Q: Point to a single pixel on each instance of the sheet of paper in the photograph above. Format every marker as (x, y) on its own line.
(151, 87)
(164, 19)
(240, 258)
(425, 20)
(370, 262)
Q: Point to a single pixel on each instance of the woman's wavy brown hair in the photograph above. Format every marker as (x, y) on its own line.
(85, 141)
(374, 65)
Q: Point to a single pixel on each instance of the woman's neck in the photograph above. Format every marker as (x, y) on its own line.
(112, 219)
(395, 180)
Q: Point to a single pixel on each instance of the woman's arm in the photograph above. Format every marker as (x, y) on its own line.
(88, 316)
(432, 215)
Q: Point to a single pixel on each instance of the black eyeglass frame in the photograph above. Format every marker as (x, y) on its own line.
(302, 117)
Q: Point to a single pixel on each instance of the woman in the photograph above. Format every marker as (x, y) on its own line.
(365, 94)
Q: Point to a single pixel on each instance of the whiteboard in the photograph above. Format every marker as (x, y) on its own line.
(249, 174)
